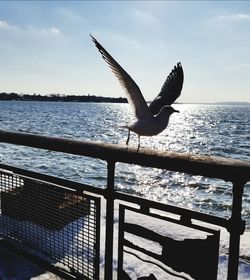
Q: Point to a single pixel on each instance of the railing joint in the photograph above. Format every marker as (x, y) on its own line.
(144, 209)
(237, 227)
(185, 219)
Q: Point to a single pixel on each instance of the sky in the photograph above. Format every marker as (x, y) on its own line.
(45, 47)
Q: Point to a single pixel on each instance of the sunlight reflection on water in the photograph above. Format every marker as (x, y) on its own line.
(197, 129)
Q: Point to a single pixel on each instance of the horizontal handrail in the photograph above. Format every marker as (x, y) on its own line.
(209, 166)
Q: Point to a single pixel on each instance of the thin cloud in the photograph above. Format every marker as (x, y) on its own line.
(238, 67)
(18, 31)
(234, 18)
(146, 18)
(236, 23)
(69, 15)
(43, 32)
(54, 30)
(115, 38)
(4, 24)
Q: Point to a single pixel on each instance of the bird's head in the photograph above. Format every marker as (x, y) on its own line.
(169, 110)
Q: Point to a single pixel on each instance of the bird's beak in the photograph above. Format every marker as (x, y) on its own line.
(176, 111)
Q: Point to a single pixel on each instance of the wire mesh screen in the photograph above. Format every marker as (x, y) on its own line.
(56, 223)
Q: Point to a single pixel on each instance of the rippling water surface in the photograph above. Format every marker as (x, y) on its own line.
(198, 129)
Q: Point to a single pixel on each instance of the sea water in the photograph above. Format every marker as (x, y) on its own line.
(217, 130)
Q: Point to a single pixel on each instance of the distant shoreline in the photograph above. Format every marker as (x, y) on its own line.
(60, 98)
(91, 98)
(233, 103)
(217, 103)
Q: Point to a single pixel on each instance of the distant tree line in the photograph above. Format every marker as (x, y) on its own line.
(58, 97)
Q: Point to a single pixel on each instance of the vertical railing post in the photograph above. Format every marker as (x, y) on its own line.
(109, 222)
(120, 240)
(236, 228)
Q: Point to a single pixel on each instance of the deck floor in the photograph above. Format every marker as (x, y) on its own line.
(16, 267)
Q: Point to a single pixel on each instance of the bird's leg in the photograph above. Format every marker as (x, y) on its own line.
(139, 144)
(128, 137)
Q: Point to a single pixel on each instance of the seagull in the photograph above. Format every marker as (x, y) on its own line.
(153, 119)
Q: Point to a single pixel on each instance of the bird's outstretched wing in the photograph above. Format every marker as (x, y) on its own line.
(170, 90)
(133, 92)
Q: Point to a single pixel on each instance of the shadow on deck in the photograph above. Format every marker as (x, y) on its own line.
(15, 266)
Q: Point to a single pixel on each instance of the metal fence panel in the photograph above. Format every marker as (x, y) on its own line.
(188, 258)
(59, 224)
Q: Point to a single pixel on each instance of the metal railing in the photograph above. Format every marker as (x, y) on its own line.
(60, 223)
(235, 171)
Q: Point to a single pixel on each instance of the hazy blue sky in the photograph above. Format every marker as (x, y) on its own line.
(45, 47)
